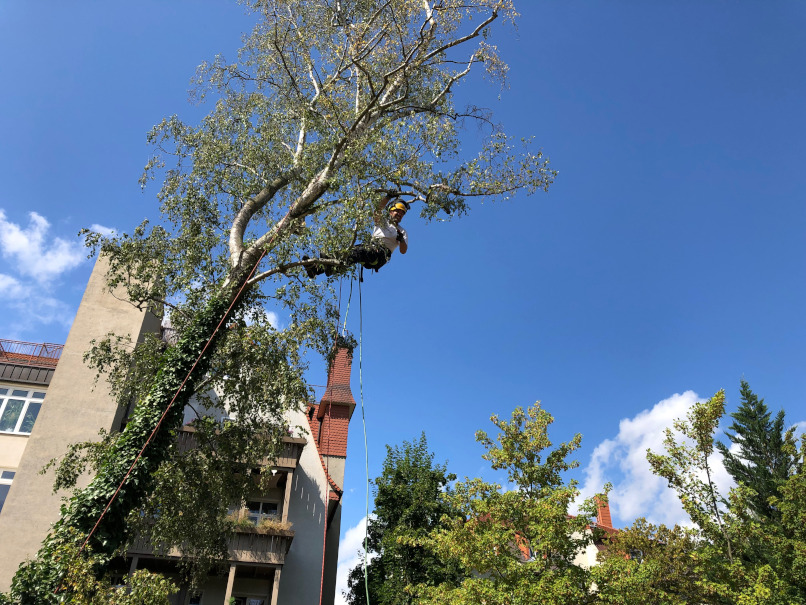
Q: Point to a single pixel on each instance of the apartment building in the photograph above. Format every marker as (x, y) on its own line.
(25, 373)
(49, 398)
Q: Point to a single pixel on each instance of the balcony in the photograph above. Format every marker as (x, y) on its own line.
(251, 545)
(246, 546)
(260, 548)
(287, 458)
(28, 362)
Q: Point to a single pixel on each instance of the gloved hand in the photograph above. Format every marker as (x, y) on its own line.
(399, 235)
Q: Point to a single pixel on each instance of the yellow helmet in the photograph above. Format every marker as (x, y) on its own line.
(399, 205)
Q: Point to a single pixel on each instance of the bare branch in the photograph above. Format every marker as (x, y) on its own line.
(453, 79)
(474, 34)
(242, 167)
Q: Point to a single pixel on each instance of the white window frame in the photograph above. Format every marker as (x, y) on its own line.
(27, 400)
(278, 505)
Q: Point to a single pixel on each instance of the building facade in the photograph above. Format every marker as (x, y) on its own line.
(49, 399)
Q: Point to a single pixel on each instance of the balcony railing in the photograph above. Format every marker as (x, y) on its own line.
(288, 457)
(30, 353)
(268, 548)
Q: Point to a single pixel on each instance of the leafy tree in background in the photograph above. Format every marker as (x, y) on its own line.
(761, 462)
(790, 541)
(327, 105)
(730, 555)
(649, 564)
(688, 466)
(409, 502)
(516, 546)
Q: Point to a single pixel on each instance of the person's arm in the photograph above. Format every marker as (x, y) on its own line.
(378, 215)
(404, 246)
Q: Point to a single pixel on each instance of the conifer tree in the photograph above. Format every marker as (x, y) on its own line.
(761, 462)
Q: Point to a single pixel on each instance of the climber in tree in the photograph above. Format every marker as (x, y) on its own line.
(386, 237)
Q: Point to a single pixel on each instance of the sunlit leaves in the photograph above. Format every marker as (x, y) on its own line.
(520, 542)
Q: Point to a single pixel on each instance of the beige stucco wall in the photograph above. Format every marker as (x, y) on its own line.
(72, 412)
(335, 468)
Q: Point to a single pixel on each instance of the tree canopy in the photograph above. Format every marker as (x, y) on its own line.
(731, 553)
(514, 544)
(761, 461)
(326, 106)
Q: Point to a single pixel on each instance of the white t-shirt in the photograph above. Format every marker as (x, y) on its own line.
(389, 235)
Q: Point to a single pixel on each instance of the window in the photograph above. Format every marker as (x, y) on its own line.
(249, 601)
(117, 580)
(4, 487)
(6, 477)
(257, 510)
(19, 409)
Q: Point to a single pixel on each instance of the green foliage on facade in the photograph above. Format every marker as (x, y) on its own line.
(79, 582)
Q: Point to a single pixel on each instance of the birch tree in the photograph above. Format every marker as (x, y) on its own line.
(329, 104)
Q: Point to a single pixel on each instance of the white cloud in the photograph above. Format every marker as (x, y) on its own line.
(800, 428)
(350, 548)
(36, 254)
(274, 319)
(27, 306)
(10, 287)
(637, 492)
(105, 231)
(34, 260)
(255, 315)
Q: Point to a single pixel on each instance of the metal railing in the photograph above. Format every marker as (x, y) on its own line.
(30, 353)
(243, 546)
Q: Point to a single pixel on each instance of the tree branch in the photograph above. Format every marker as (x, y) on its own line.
(283, 268)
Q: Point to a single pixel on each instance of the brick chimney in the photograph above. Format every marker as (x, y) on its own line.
(603, 518)
(330, 418)
(338, 382)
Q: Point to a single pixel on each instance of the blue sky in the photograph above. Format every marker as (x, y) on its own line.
(666, 262)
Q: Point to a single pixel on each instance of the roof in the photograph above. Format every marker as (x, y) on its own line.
(30, 353)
